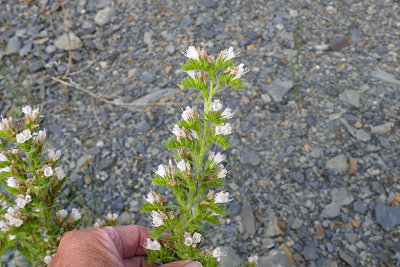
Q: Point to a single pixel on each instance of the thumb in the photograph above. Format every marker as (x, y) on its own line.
(183, 264)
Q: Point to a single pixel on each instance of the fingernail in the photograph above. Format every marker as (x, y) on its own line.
(194, 264)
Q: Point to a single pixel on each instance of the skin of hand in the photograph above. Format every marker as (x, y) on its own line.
(112, 246)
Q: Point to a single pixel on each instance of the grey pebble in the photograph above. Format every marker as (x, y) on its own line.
(338, 163)
(186, 21)
(331, 210)
(250, 157)
(143, 126)
(274, 258)
(231, 258)
(14, 44)
(341, 196)
(248, 219)
(278, 88)
(351, 97)
(359, 207)
(103, 16)
(387, 217)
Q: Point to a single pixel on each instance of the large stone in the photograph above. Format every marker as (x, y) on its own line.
(341, 196)
(387, 217)
(62, 42)
(351, 97)
(103, 16)
(231, 258)
(338, 163)
(383, 128)
(275, 258)
(250, 157)
(248, 219)
(124, 219)
(331, 210)
(14, 44)
(384, 76)
(278, 88)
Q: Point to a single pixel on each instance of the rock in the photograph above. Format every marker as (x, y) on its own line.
(248, 219)
(117, 204)
(50, 49)
(275, 258)
(272, 229)
(147, 38)
(362, 135)
(297, 176)
(346, 257)
(359, 207)
(341, 196)
(35, 66)
(13, 45)
(25, 49)
(297, 223)
(384, 76)
(134, 205)
(355, 36)
(103, 16)
(338, 163)
(250, 157)
(339, 43)
(143, 126)
(387, 217)
(147, 77)
(383, 128)
(140, 103)
(329, 263)
(331, 210)
(94, 150)
(124, 219)
(278, 88)
(170, 49)
(231, 258)
(351, 97)
(62, 42)
(310, 253)
(211, 4)
(186, 21)
(83, 162)
(106, 164)
(234, 208)
(76, 56)
(266, 98)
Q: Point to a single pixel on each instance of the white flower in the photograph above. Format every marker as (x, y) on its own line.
(29, 113)
(194, 134)
(224, 129)
(161, 171)
(111, 217)
(5, 169)
(188, 113)
(12, 182)
(191, 73)
(98, 223)
(59, 173)
(218, 253)
(26, 136)
(47, 259)
(228, 54)
(222, 197)
(240, 70)
(191, 52)
(152, 245)
(21, 201)
(179, 132)
(62, 214)
(5, 123)
(156, 219)
(54, 155)
(253, 259)
(4, 226)
(3, 157)
(27, 110)
(188, 241)
(196, 238)
(150, 197)
(75, 215)
(216, 105)
(48, 171)
(41, 136)
(227, 114)
(12, 237)
(20, 138)
(216, 158)
(222, 172)
(11, 216)
(183, 166)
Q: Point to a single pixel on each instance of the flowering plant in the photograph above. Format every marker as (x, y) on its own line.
(31, 219)
(180, 221)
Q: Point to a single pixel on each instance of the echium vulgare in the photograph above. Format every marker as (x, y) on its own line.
(196, 176)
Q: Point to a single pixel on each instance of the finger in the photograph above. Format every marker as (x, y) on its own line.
(137, 261)
(183, 264)
(128, 239)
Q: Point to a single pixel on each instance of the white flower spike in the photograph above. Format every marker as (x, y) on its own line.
(152, 244)
(222, 197)
(156, 219)
(191, 52)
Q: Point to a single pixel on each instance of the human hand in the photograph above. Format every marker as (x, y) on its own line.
(112, 246)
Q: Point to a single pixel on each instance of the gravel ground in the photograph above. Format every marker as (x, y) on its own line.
(314, 185)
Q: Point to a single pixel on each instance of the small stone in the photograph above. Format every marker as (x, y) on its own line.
(338, 163)
(124, 219)
(351, 97)
(339, 43)
(167, 69)
(387, 217)
(331, 210)
(346, 257)
(103, 64)
(358, 125)
(310, 253)
(117, 204)
(298, 177)
(147, 77)
(359, 207)
(211, 4)
(170, 49)
(107, 164)
(355, 36)
(83, 162)
(248, 219)
(266, 98)
(362, 135)
(25, 49)
(94, 150)
(353, 165)
(134, 206)
(329, 263)
(383, 128)
(76, 56)
(13, 45)
(278, 88)
(186, 21)
(341, 196)
(62, 42)
(147, 38)
(274, 258)
(143, 126)
(103, 16)
(246, 100)
(231, 258)
(297, 223)
(35, 66)
(50, 49)
(250, 157)
(384, 76)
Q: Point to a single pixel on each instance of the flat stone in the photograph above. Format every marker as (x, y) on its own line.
(94, 150)
(143, 126)
(25, 49)
(362, 135)
(346, 257)
(329, 263)
(62, 42)
(310, 253)
(147, 38)
(266, 98)
(355, 36)
(35, 66)
(338, 163)
(103, 16)
(147, 77)
(383, 128)
(140, 103)
(341, 196)
(359, 207)
(275, 258)
(331, 210)
(297, 223)
(387, 217)
(339, 43)
(14, 44)
(278, 88)
(351, 97)
(250, 157)
(83, 162)
(384, 76)
(186, 21)
(297, 176)
(248, 219)
(231, 258)
(124, 219)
